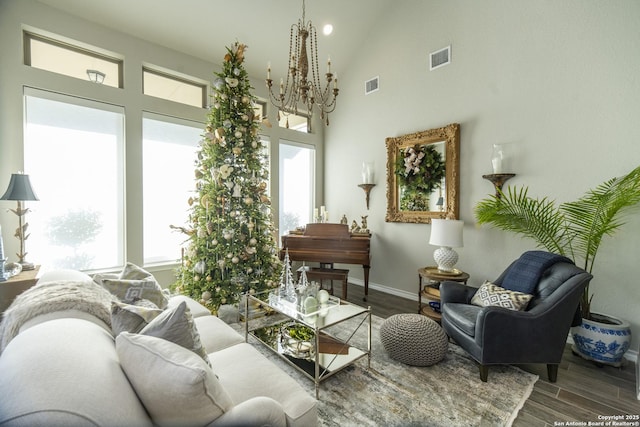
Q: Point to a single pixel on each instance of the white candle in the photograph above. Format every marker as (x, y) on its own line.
(269, 70)
(281, 86)
(329, 65)
(315, 213)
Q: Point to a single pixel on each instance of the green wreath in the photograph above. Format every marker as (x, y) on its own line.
(420, 169)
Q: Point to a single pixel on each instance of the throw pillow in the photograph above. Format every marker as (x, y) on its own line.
(133, 272)
(173, 384)
(490, 294)
(176, 325)
(130, 291)
(131, 318)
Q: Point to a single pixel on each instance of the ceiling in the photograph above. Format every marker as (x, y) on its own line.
(202, 28)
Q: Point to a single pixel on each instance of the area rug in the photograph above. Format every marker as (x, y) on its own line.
(390, 393)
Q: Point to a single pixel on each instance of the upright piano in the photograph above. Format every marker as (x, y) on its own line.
(328, 244)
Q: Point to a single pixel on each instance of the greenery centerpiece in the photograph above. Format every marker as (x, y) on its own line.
(231, 240)
(420, 170)
(575, 230)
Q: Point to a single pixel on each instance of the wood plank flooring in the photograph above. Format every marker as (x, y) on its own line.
(582, 394)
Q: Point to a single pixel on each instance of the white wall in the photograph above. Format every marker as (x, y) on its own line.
(558, 79)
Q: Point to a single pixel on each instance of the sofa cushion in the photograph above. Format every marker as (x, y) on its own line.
(215, 334)
(490, 294)
(176, 325)
(197, 309)
(130, 317)
(173, 383)
(248, 374)
(63, 274)
(66, 372)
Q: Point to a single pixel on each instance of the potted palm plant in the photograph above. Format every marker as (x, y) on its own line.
(575, 230)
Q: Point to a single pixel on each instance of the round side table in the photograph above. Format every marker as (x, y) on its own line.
(429, 279)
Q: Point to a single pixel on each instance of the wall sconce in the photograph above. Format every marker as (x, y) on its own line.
(500, 161)
(96, 76)
(367, 179)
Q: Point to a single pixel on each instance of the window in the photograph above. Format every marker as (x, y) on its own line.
(173, 88)
(169, 153)
(293, 121)
(74, 156)
(58, 57)
(296, 185)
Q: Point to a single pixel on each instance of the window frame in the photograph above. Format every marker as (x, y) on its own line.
(183, 80)
(92, 52)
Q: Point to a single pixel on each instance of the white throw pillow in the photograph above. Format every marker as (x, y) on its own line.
(174, 384)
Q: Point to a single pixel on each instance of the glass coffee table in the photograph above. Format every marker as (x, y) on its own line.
(305, 339)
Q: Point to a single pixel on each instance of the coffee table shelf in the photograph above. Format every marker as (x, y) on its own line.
(329, 354)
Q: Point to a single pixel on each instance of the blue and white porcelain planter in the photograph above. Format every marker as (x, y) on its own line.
(603, 339)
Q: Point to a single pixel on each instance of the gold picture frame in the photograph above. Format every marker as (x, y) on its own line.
(446, 142)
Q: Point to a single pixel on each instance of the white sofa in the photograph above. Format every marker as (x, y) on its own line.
(63, 369)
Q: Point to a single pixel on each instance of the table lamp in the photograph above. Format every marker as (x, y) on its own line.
(20, 190)
(446, 233)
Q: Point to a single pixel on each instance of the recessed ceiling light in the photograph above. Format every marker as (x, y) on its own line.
(327, 29)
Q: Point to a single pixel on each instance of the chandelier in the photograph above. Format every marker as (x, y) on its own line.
(300, 90)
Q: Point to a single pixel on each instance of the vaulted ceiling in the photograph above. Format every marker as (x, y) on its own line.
(202, 28)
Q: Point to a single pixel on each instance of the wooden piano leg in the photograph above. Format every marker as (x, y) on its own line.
(366, 281)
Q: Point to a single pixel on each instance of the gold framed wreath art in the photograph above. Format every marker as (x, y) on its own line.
(422, 175)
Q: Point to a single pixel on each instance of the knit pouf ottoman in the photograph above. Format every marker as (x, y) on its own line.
(413, 339)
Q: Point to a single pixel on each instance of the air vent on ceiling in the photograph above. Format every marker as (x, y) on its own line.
(371, 85)
(440, 58)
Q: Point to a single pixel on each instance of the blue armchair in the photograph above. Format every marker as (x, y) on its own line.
(495, 335)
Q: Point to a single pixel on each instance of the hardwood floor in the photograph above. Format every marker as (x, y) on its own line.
(582, 393)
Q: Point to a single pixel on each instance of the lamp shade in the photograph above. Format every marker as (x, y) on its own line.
(446, 232)
(19, 188)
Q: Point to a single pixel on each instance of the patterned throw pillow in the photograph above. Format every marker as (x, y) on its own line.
(175, 386)
(132, 318)
(176, 325)
(490, 294)
(132, 285)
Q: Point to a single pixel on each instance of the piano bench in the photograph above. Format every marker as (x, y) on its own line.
(322, 274)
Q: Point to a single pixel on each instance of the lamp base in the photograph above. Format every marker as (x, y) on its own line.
(446, 258)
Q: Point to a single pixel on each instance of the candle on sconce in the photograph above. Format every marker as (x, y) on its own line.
(367, 172)
(269, 70)
(329, 65)
(281, 85)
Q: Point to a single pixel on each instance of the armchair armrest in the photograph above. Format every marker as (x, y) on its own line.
(456, 292)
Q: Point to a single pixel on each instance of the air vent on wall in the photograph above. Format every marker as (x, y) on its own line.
(440, 58)
(371, 85)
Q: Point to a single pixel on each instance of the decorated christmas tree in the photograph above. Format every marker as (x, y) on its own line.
(231, 239)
